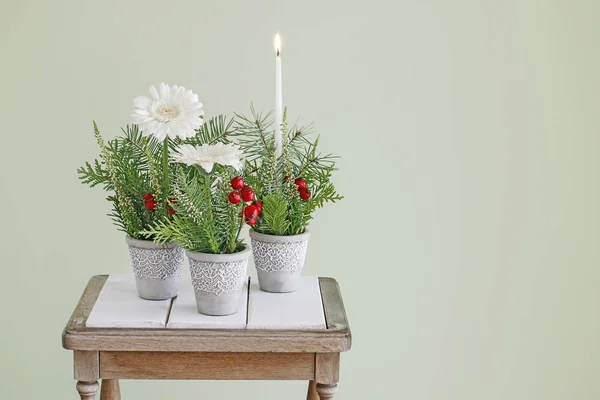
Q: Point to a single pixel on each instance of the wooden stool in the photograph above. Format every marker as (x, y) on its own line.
(113, 353)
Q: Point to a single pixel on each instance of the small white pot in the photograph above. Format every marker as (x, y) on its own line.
(279, 260)
(218, 280)
(157, 268)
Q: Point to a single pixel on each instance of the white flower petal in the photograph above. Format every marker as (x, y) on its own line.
(208, 155)
(153, 93)
(164, 90)
(169, 111)
(207, 165)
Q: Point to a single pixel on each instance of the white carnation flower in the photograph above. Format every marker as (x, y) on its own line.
(171, 111)
(208, 155)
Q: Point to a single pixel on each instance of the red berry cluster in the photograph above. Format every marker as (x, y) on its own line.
(150, 204)
(302, 189)
(244, 192)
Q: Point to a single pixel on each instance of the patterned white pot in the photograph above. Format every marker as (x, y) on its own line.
(279, 260)
(157, 268)
(218, 280)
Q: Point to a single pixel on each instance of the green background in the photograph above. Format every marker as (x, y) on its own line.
(467, 247)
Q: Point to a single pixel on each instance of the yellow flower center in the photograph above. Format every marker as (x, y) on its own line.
(168, 113)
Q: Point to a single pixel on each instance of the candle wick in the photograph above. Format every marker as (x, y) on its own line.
(277, 52)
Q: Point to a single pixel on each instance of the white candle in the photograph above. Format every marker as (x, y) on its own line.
(278, 96)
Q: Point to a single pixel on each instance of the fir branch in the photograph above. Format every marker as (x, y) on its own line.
(95, 175)
(254, 135)
(123, 207)
(205, 220)
(216, 130)
(273, 178)
(275, 209)
(147, 149)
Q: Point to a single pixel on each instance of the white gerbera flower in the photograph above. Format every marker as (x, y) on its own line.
(208, 155)
(172, 111)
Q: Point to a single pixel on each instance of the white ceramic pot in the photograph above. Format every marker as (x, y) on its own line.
(279, 260)
(157, 268)
(218, 280)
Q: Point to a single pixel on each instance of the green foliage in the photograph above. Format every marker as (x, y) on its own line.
(206, 221)
(272, 177)
(129, 167)
(213, 131)
(275, 214)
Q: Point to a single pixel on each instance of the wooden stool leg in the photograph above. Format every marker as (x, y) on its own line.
(87, 390)
(110, 390)
(326, 392)
(327, 374)
(312, 391)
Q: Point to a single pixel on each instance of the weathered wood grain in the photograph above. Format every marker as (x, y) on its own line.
(87, 390)
(110, 390)
(87, 365)
(312, 391)
(335, 314)
(214, 366)
(86, 303)
(326, 392)
(327, 368)
(204, 340)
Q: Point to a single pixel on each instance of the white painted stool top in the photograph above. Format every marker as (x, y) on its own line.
(119, 306)
(302, 309)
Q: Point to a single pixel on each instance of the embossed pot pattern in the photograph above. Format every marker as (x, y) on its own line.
(157, 268)
(218, 280)
(279, 260)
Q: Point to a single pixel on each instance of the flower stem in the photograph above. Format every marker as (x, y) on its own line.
(165, 162)
(241, 224)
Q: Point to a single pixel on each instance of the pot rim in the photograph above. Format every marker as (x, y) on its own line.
(217, 258)
(279, 239)
(148, 244)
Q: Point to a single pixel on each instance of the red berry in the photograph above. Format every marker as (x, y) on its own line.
(150, 205)
(300, 182)
(237, 183)
(258, 206)
(304, 193)
(251, 221)
(251, 212)
(285, 178)
(247, 193)
(148, 197)
(234, 197)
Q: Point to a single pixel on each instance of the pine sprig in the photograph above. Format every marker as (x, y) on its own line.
(206, 221)
(216, 130)
(254, 134)
(95, 175)
(273, 178)
(127, 169)
(275, 215)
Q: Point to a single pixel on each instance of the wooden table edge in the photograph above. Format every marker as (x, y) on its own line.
(337, 338)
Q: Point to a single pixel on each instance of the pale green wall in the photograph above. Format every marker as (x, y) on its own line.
(467, 247)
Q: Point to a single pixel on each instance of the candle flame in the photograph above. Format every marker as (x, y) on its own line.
(277, 43)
